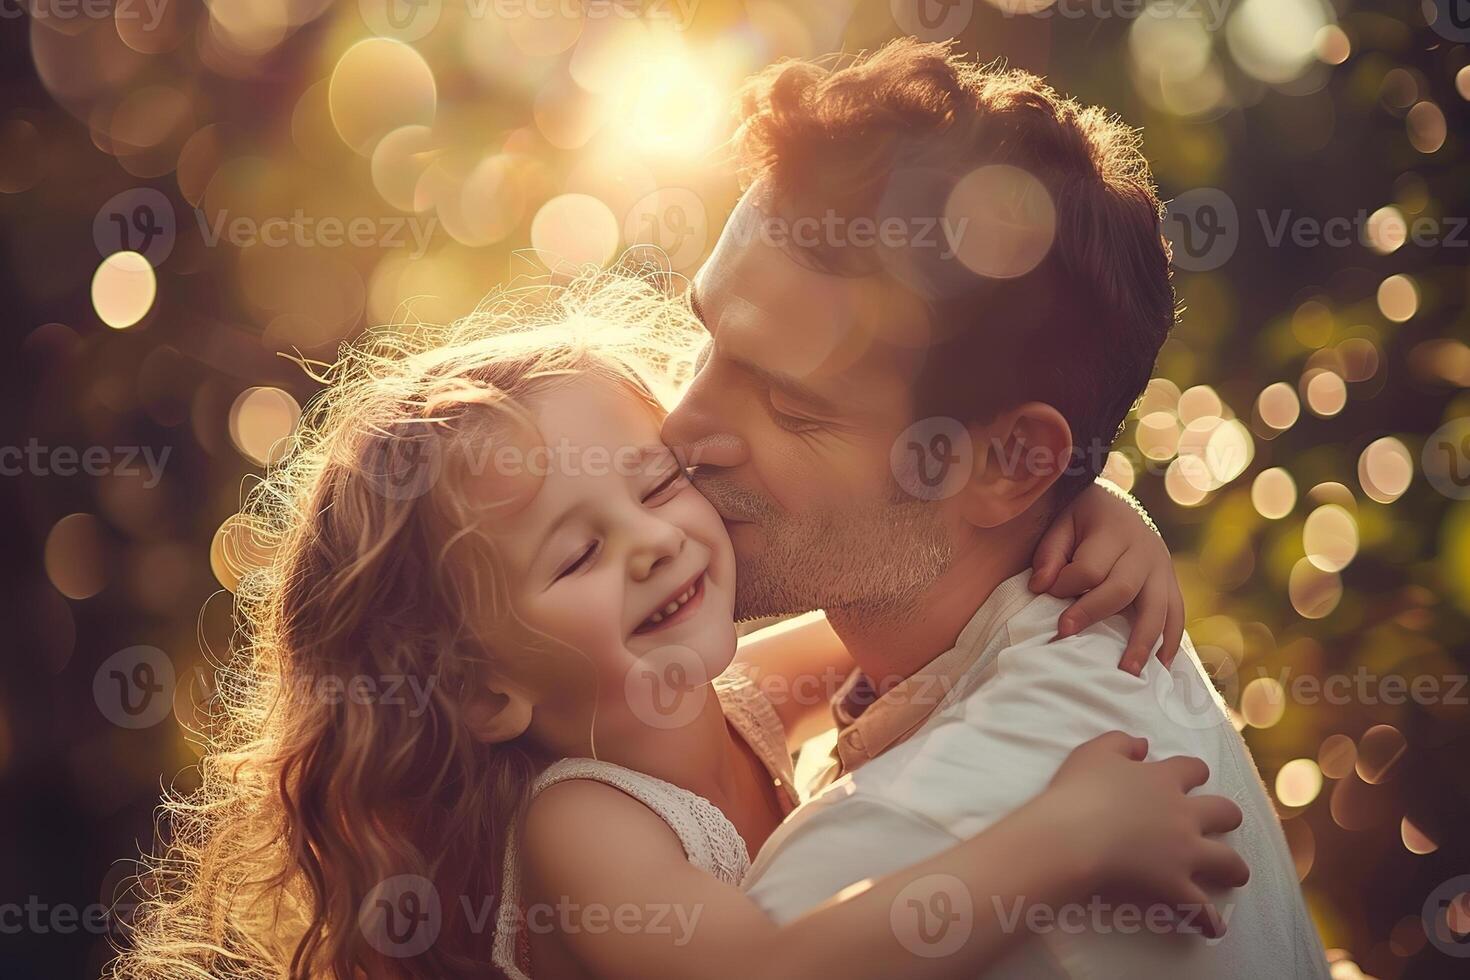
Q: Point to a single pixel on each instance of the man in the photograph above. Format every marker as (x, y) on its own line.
(929, 315)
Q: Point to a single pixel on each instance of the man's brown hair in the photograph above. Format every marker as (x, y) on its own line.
(890, 135)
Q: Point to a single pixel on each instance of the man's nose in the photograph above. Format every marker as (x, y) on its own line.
(700, 431)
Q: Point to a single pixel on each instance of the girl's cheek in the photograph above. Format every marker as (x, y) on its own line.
(589, 616)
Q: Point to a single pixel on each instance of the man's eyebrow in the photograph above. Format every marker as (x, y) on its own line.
(788, 386)
(783, 383)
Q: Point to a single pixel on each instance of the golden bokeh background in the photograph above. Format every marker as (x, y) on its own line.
(192, 189)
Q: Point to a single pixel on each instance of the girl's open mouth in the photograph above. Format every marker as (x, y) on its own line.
(677, 608)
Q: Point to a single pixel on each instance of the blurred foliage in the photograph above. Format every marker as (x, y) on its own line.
(191, 189)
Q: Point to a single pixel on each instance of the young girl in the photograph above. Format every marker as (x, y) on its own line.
(483, 516)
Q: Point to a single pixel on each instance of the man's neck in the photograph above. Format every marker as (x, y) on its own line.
(888, 648)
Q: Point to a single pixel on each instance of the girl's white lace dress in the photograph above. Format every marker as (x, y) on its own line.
(709, 839)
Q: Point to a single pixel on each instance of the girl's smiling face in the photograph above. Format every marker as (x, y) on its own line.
(612, 561)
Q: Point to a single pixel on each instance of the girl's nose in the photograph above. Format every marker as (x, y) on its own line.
(655, 543)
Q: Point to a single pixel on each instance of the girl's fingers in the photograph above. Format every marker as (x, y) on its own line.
(1120, 743)
(1152, 612)
(1217, 814)
(1173, 623)
(1187, 771)
(1088, 569)
(1220, 865)
(1113, 596)
(1052, 552)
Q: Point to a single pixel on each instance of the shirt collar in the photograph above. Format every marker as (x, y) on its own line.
(868, 727)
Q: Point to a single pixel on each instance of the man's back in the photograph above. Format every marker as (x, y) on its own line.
(995, 743)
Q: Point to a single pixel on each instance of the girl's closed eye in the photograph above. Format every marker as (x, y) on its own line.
(667, 487)
(583, 558)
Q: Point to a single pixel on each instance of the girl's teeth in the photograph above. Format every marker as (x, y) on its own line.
(672, 607)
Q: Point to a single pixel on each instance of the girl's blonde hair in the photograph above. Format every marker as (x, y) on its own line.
(308, 804)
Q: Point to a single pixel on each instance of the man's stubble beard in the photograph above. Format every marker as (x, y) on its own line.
(867, 562)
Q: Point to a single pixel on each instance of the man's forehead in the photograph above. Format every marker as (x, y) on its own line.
(805, 321)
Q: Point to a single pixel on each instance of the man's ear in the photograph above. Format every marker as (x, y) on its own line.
(1018, 456)
(497, 716)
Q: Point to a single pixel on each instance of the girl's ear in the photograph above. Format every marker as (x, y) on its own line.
(497, 716)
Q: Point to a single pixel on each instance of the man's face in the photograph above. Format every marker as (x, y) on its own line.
(789, 424)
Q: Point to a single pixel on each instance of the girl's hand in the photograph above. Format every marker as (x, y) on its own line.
(1139, 832)
(1103, 549)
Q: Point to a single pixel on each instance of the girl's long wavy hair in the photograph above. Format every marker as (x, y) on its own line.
(311, 798)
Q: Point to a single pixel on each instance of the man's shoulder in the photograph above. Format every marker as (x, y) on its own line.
(1036, 621)
(1026, 706)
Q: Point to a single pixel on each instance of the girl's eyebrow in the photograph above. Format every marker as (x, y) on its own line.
(551, 530)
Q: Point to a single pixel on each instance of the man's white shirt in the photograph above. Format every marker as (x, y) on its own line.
(995, 741)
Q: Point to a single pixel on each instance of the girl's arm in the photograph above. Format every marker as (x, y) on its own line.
(1103, 548)
(615, 887)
